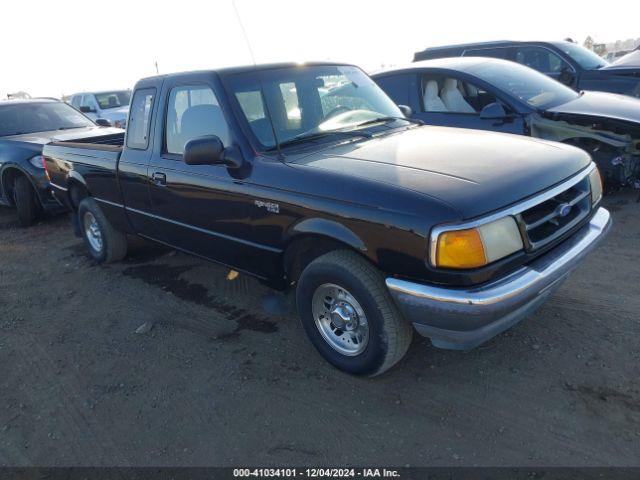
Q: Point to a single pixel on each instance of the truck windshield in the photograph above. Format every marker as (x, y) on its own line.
(308, 101)
(21, 118)
(585, 58)
(108, 100)
(524, 83)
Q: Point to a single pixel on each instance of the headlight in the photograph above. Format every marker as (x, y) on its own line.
(479, 246)
(37, 161)
(596, 186)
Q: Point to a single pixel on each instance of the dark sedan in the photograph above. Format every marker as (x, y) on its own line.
(497, 95)
(25, 126)
(567, 62)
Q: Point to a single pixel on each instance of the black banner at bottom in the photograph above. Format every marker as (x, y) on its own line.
(405, 473)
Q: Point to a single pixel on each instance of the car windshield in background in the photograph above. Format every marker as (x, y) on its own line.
(21, 118)
(108, 100)
(530, 86)
(309, 101)
(584, 57)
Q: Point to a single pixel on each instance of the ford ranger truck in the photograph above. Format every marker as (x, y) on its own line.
(310, 178)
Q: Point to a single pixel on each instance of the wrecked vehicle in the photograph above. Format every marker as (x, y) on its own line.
(497, 95)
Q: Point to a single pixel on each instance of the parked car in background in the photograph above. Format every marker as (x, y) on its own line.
(25, 126)
(309, 176)
(112, 106)
(630, 60)
(497, 95)
(567, 62)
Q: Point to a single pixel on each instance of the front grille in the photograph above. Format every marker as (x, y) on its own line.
(549, 220)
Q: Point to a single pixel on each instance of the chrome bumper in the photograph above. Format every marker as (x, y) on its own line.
(462, 319)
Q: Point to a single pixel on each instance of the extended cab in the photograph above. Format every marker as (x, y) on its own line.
(309, 176)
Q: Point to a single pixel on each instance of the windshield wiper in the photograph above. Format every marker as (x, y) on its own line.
(303, 137)
(70, 128)
(388, 119)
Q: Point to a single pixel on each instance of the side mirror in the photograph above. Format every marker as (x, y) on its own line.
(493, 111)
(566, 76)
(209, 150)
(406, 110)
(103, 122)
(87, 109)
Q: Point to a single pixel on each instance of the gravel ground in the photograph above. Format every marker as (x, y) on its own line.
(160, 360)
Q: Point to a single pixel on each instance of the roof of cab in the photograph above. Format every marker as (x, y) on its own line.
(243, 69)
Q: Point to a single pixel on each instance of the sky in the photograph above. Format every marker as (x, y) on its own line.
(51, 48)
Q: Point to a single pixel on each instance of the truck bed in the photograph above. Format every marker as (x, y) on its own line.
(91, 161)
(112, 142)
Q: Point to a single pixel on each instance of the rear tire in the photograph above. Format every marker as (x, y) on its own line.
(25, 199)
(105, 243)
(349, 316)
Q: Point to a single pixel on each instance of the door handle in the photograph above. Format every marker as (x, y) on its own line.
(159, 179)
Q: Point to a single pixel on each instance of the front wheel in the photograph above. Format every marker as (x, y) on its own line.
(349, 316)
(105, 243)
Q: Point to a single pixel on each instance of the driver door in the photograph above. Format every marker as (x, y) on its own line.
(197, 208)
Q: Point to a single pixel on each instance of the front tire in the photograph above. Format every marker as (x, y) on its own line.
(105, 243)
(24, 198)
(349, 316)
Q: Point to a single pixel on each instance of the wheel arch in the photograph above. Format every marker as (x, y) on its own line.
(77, 190)
(7, 177)
(311, 238)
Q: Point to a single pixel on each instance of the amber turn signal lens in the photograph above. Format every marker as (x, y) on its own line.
(460, 249)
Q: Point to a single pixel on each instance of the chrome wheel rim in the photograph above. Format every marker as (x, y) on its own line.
(92, 231)
(340, 319)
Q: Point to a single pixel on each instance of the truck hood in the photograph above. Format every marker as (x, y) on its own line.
(604, 105)
(475, 172)
(42, 138)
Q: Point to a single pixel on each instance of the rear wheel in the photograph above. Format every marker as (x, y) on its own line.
(105, 243)
(349, 316)
(24, 198)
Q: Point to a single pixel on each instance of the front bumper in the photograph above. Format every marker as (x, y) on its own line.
(462, 319)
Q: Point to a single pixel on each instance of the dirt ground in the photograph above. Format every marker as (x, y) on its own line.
(225, 375)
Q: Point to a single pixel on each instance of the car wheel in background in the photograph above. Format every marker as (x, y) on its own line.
(24, 198)
(105, 243)
(349, 316)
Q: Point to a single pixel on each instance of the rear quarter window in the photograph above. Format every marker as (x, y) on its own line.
(140, 119)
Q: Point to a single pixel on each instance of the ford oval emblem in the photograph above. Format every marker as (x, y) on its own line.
(564, 209)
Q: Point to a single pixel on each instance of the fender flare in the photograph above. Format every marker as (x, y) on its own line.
(325, 228)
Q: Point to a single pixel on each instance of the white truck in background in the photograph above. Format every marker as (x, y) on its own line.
(112, 106)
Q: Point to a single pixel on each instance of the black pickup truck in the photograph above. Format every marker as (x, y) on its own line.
(309, 176)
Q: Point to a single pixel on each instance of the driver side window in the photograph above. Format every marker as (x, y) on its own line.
(193, 111)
